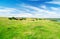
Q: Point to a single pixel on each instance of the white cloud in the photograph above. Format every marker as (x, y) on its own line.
(44, 13)
(43, 6)
(30, 11)
(55, 2)
(5, 10)
(23, 15)
(54, 8)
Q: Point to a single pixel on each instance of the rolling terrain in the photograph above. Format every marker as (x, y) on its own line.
(27, 29)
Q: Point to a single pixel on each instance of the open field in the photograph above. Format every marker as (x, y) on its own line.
(27, 29)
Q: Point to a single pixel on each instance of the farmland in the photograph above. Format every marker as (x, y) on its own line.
(28, 29)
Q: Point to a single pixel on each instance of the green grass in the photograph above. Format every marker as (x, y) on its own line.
(25, 29)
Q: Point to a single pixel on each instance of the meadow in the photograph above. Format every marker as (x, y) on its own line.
(27, 29)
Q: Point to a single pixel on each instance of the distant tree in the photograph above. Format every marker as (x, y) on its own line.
(10, 18)
(13, 18)
(22, 18)
(40, 18)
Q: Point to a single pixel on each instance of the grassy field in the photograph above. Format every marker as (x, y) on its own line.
(27, 29)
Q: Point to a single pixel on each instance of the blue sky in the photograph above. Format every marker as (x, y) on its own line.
(30, 8)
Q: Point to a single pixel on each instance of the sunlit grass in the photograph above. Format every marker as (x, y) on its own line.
(27, 29)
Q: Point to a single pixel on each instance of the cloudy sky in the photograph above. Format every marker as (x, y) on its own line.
(30, 8)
